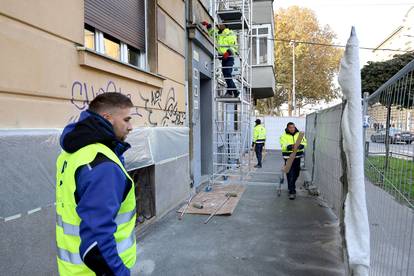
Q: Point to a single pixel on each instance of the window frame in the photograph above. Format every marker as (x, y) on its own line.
(270, 46)
(123, 57)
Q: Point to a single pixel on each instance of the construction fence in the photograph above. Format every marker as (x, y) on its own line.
(389, 166)
(388, 138)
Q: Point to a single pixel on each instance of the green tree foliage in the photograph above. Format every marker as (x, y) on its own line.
(375, 74)
(316, 65)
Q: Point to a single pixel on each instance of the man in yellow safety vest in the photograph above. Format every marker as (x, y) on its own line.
(226, 44)
(259, 139)
(287, 142)
(95, 198)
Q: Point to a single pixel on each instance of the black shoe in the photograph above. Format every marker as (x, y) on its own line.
(236, 94)
(227, 95)
(258, 166)
(292, 196)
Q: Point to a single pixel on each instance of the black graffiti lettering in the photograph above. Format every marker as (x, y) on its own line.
(112, 85)
(82, 93)
(136, 112)
(156, 98)
(77, 90)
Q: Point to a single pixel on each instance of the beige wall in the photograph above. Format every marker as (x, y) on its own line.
(46, 81)
(60, 17)
(175, 9)
(199, 12)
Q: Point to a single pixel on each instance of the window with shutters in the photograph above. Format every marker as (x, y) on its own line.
(116, 28)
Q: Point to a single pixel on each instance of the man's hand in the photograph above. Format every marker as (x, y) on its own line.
(290, 147)
(226, 55)
(206, 24)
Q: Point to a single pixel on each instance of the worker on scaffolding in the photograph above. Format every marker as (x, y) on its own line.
(226, 41)
(95, 196)
(287, 142)
(259, 139)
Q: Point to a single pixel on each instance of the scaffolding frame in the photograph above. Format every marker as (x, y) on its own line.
(232, 116)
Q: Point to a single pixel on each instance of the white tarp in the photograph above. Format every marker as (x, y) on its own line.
(27, 189)
(357, 234)
(28, 162)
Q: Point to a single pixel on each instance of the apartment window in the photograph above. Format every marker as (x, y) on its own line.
(117, 29)
(264, 56)
(122, 19)
(89, 38)
(134, 56)
(113, 48)
(254, 46)
(262, 45)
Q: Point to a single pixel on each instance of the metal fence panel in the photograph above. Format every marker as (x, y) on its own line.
(310, 136)
(323, 155)
(389, 165)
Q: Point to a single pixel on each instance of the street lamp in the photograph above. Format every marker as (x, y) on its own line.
(293, 44)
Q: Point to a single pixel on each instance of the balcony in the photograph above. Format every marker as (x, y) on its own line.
(263, 81)
(262, 11)
(263, 76)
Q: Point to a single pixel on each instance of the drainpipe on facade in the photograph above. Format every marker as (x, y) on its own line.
(186, 65)
(187, 109)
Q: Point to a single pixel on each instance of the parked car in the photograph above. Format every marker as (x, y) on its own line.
(395, 136)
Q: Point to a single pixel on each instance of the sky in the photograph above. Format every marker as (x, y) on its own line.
(374, 20)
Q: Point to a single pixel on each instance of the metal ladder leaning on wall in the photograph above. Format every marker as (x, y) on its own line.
(232, 116)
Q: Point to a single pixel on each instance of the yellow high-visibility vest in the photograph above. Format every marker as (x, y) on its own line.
(288, 139)
(224, 40)
(68, 222)
(259, 134)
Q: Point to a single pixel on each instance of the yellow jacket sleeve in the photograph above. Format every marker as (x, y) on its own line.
(283, 142)
(304, 142)
(255, 134)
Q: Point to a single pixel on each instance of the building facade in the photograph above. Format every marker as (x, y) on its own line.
(56, 56)
(263, 81)
(400, 39)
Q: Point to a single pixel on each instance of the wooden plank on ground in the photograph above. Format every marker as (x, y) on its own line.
(211, 200)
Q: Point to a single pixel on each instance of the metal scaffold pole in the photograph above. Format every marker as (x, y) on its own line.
(232, 105)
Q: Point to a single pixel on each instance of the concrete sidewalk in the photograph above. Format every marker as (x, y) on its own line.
(266, 235)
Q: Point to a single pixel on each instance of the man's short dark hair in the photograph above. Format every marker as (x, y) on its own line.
(290, 124)
(109, 100)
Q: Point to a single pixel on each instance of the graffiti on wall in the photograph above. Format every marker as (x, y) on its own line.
(147, 105)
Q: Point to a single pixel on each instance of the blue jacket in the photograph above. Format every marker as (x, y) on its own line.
(100, 189)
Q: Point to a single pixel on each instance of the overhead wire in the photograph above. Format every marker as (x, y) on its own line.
(334, 45)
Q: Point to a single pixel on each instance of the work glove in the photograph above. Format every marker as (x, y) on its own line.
(206, 24)
(226, 55)
(252, 144)
(289, 147)
(301, 147)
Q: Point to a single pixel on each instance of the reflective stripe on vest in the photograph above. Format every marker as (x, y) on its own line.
(76, 259)
(70, 229)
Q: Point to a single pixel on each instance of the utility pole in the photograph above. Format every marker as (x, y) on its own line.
(293, 44)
